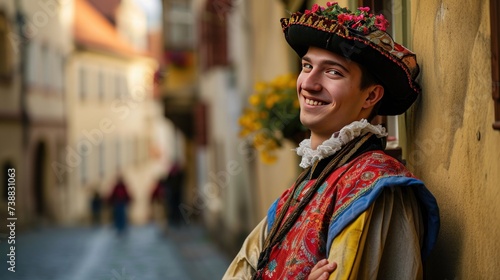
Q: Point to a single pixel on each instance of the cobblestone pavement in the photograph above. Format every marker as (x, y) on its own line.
(143, 253)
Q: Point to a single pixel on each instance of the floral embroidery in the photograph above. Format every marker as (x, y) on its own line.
(271, 267)
(368, 175)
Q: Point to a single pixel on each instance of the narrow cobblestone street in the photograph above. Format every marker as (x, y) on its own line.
(143, 253)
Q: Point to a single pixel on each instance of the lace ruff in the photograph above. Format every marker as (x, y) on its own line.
(338, 139)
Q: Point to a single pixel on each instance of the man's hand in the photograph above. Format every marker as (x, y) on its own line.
(322, 270)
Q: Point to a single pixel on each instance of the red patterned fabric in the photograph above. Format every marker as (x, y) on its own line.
(305, 243)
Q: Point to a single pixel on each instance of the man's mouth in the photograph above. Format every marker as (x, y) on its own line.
(314, 102)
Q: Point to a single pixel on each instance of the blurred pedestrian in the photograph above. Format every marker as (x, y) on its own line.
(173, 191)
(119, 200)
(158, 201)
(96, 208)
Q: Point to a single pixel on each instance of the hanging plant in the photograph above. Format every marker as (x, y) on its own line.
(272, 116)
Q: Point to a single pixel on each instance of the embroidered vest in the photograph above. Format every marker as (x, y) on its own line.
(336, 203)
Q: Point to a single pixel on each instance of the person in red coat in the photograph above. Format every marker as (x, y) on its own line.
(119, 199)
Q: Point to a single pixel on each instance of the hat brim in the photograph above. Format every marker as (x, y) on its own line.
(400, 89)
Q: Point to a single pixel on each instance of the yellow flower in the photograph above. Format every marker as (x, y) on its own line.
(254, 99)
(271, 100)
(272, 114)
(244, 121)
(259, 139)
(260, 87)
(244, 132)
(256, 125)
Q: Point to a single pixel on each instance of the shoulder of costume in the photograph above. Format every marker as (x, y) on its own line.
(362, 183)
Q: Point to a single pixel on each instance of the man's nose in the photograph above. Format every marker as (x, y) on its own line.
(312, 82)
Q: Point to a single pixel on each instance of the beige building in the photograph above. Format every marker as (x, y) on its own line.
(78, 106)
(115, 125)
(12, 126)
(36, 40)
(447, 138)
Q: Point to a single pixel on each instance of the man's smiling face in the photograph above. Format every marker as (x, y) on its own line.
(329, 92)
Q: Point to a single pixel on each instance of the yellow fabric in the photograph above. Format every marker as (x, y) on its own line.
(346, 248)
(244, 264)
(382, 243)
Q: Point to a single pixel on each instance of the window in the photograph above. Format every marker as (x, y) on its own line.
(179, 25)
(100, 85)
(101, 159)
(118, 86)
(124, 85)
(82, 83)
(214, 41)
(45, 64)
(58, 66)
(83, 151)
(121, 87)
(495, 59)
(118, 154)
(32, 62)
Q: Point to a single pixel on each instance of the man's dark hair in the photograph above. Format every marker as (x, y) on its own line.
(367, 79)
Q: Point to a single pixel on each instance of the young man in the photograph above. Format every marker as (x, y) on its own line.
(353, 205)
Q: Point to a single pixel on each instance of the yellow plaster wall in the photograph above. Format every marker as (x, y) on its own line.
(453, 146)
(272, 57)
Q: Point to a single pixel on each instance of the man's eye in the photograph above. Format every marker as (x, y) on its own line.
(306, 66)
(333, 72)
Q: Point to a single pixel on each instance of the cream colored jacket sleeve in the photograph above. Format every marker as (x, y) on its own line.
(384, 242)
(244, 264)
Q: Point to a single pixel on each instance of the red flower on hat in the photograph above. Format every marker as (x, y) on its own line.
(343, 18)
(381, 23)
(360, 20)
(364, 9)
(315, 8)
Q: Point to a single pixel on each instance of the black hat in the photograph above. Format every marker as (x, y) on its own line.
(361, 37)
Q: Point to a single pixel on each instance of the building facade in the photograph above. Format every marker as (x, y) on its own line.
(12, 124)
(38, 41)
(115, 125)
(78, 109)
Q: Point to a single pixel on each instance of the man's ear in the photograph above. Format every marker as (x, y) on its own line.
(375, 94)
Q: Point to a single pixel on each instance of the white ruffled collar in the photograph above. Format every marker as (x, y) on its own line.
(338, 139)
